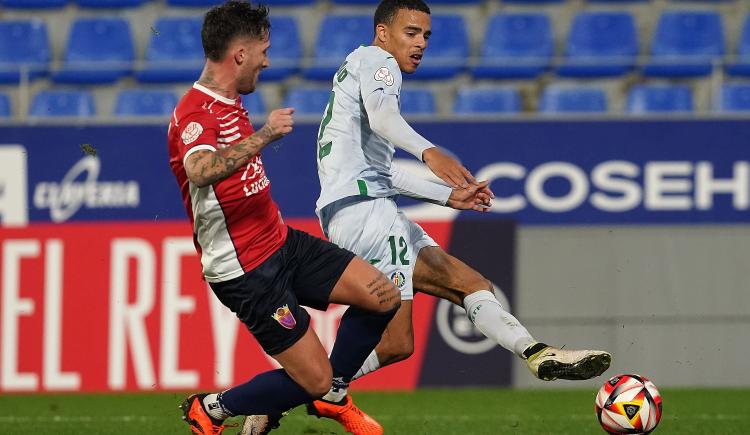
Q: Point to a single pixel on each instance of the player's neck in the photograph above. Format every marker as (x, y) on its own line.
(218, 80)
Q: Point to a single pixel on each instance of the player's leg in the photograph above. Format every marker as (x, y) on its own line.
(442, 275)
(265, 302)
(396, 344)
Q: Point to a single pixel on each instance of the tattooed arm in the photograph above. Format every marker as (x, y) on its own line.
(205, 167)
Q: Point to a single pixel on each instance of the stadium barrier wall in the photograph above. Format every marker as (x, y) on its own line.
(629, 235)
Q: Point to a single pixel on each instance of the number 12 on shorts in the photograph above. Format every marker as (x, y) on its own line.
(395, 254)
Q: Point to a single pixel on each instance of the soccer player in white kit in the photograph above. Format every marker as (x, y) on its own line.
(360, 130)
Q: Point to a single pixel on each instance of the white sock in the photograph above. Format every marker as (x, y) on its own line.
(486, 313)
(371, 364)
(214, 408)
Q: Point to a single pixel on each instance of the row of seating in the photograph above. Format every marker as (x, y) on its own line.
(30, 4)
(555, 99)
(516, 45)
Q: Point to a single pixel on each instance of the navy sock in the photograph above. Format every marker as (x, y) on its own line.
(359, 333)
(269, 393)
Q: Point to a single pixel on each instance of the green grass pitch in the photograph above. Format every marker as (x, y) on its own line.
(464, 412)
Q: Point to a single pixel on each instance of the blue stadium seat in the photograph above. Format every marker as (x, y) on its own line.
(435, 2)
(417, 101)
(533, 2)
(742, 66)
(644, 99)
(99, 50)
(487, 100)
(62, 104)
(23, 43)
(447, 50)
(109, 3)
(33, 4)
(5, 111)
(286, 49)
(515, 46)
(567, 99)
(734, 98)
(145, 102)
(600, 44)
(254, 104)
(194, 3)
(307, 101)
(685, 44)
(338, 35)
(289, 2)
(175, 53)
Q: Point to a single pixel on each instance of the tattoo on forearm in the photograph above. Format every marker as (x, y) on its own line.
(222, 163)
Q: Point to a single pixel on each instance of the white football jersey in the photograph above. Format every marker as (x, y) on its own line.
(354, 163)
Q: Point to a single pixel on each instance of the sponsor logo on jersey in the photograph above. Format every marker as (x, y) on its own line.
(284, 317)
(399, 279)
(65, 198)
(384, 75)
(191, 133)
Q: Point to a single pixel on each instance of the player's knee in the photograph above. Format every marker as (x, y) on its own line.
(397, 350)
(318, 384)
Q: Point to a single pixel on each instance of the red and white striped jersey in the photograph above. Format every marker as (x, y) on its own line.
(236, 223)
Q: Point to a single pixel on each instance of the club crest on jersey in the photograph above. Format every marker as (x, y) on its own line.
(384, 75)
(191, 133)
(398, 278)
(284, 317)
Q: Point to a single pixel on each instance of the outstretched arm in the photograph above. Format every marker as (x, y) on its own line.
(386, 120)
(205, 167)
(477, 197)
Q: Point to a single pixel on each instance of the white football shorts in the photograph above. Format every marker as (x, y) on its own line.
(379, 233)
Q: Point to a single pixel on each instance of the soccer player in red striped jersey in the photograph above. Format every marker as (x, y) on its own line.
(261, 269)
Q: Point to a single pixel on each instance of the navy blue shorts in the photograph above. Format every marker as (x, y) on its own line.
(268, 299)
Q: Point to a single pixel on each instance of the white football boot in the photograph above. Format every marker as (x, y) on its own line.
(549, 363)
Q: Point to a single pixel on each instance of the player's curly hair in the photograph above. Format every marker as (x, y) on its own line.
(387, 9)
(233, 19)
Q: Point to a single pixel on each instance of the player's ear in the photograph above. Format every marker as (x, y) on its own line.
(381, 32)
(239, 55)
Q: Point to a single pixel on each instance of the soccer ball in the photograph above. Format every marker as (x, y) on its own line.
(628, 404)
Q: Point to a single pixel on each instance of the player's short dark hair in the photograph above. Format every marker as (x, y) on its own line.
(387, 9)
(224, 23)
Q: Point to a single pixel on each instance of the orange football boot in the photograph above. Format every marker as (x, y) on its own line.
(353, 419)
(196, 416)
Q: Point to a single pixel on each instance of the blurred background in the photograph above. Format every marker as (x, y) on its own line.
(615, 134)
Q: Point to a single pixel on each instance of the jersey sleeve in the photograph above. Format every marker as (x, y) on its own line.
(196, 132)
(379, 73)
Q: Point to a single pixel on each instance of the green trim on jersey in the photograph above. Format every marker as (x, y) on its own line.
(362, 187)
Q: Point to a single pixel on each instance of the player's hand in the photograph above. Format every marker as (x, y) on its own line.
(447, 168)
(477, 197)
(278, 124)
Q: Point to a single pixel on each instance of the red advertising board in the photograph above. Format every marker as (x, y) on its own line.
(122, 306)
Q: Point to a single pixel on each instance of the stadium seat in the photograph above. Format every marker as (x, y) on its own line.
(5, 111)
(515, 45)
(685, 44)
(417, 101)
(532, 2)
(307, 101)
(487, 100)
(734, 98)
(286, 49)
(741, 67)
(62, 104)
(567, 99)
(175, 52)
(99, 50)
(255, 105)
(194, 3)
(600, 44)
(145, 102)
(447, 51)
(289, 2)
(23, 43)
(33, 4)
(338, 35)
(109, 3)
(643, 99)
